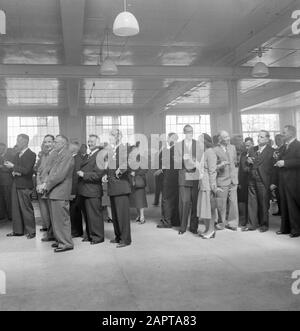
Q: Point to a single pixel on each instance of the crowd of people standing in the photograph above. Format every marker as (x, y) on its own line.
(224, 188)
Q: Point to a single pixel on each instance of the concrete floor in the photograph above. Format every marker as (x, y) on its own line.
(160, 271)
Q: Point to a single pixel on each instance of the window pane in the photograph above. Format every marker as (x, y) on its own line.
(200, 124)
(35, 127)
(102, 126)
(253, 123)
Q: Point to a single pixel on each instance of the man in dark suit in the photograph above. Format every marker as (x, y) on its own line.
(119, 189)
(288, 165)
(261, 165)
(186, 154)
(58, 186)
(22, 170)
(75, 203)
(170, 194)
(6, 181)
(90, 193)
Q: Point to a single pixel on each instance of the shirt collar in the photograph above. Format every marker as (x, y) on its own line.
(260, 149)
(93, 152)
(291, 141)
(23, 151)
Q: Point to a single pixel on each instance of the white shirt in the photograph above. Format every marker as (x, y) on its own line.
(93, 152)
(23, 151)
(261, 149)
(291, 141)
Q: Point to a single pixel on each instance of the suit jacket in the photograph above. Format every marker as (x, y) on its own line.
(78, 159)
(185, 172)
(24, 165)
(59, 181)
(121, 185)
(263, 163)
(90, 185)
(229, 174)
(6, 178)
(289, 175)
(45, 165)
(210, 170)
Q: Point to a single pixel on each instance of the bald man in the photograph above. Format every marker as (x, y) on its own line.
(227, 181)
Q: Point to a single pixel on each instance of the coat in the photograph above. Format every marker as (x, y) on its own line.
(209, 177)
(24, 165)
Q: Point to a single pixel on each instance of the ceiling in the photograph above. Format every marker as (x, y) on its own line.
(174, 33)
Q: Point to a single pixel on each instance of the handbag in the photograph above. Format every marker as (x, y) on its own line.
(139, 182)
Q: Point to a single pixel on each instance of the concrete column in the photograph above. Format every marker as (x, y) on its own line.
(3, 127)
(287, 117)
(234, 107)
(73, 127)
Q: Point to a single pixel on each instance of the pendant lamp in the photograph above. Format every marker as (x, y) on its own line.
(2, 22)
(125, 24)
(260, 70)
(108, 67)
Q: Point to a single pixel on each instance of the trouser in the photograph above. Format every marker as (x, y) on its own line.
(290, 210)
(76, 217)
(92, 211)
(45, 214)
(258, 204)
(188, 196)
(158, 189)
(121, 218)
(5, 202)
(227, 205)
(169, 204)
(23, 220)
(60, 218)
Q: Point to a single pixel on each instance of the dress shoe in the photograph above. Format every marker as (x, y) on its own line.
(164, 226)
(55, 245)
(43, 230)
(220, 227)
(229, 227)
(122, 245)
(294, 235)
(209, 236)
(246, 229)
(193, 231)
(263, 229)
(181, 232)
(86, 240)
(13, 234)
(115, 241)
(65, 249)
(141, 221)
(47, 239)
(97, 242)
(280, 233)
(30, 236)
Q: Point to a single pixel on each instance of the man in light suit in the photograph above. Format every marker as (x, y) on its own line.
(58, 186)
(43, 170)
(227, 181)
(90, 193)
(186, 155)
(22, 170)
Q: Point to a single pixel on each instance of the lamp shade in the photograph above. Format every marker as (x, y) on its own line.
(126, 25)
(108, 68)
(2, 22)
(260, 70)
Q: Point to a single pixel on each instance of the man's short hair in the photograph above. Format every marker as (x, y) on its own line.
(188, 128)
(93, 136)
(63, 137)
(49, 136)
(249, 139)
(24, 137)
(291, 130)
(266, 132)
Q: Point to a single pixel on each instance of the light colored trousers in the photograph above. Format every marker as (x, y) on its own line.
(227, 205)
(60, 218)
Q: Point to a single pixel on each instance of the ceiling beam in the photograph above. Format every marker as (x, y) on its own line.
(249, 101)
(72, 15)
(185, 73)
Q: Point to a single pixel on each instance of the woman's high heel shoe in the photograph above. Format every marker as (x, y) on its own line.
(210, 236)
(137, 220)
(142, 221)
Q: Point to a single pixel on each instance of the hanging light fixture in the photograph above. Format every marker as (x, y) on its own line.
(260, 70)
(125, 24)
(108, 66)
(2, 22)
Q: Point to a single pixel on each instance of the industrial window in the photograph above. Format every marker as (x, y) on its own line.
(200, 124)
(253, 123)
(35, 127)
(102, 125)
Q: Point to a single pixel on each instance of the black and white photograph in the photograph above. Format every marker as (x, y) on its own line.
(149, 159)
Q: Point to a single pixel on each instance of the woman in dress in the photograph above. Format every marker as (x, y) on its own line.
(138, 198)
(206, 207)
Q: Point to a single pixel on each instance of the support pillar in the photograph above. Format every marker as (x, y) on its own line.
(234, 109)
